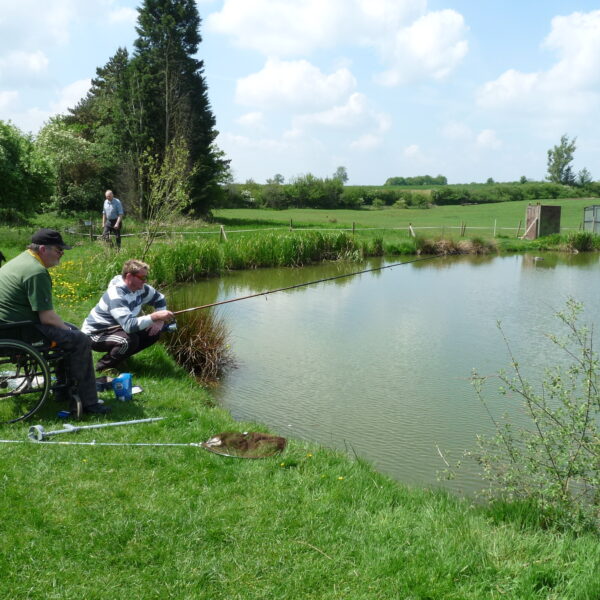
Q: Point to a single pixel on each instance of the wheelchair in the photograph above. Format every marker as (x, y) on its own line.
(32, 368)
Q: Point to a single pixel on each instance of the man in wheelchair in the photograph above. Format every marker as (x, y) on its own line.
(26, 295)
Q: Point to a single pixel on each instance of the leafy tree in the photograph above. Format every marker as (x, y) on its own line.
(490, 180)
(313, 192)
(341, 174)
(107, 117)
(277, 179)
(75, 164)
(523, 179)
(274, 196)
(559, 160)
(168, 187)
(584, 177)
(26, 177)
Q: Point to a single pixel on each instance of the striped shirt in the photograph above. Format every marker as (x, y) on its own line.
(120, 306)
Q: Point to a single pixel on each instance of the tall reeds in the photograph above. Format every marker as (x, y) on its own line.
(184, 261)
(199, 345)
(448, 246)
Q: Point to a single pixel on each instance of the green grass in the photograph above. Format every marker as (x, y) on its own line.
(177, 522)
(132, 522)
(506, 214)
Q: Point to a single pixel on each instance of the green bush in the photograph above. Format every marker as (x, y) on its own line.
(501, 192)
(553, 461)
(582, 241)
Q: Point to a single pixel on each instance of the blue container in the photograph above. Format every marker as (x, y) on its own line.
(122, 387)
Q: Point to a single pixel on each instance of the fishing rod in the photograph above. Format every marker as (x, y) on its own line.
(298, 285)
(289, 287)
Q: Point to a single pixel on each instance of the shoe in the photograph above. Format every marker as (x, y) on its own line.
(96, 409)
(107, 372)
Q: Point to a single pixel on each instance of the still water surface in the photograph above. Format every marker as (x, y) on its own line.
(379, 363)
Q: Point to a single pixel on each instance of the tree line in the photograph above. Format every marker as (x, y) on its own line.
(420, 180)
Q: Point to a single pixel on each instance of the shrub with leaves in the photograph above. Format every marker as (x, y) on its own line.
(581, 241)
(554, 461)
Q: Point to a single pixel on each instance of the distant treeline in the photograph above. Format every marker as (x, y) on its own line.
(507, 192)
(308, 191)
(420, 180)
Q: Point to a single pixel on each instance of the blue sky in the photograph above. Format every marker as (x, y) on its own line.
(463, 88)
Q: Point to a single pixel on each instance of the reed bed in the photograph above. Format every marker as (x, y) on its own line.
(200, 346)
(447, 246)
(186, 261)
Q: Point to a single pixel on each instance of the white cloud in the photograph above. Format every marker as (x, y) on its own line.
(488, 139)
(242, 141)
(20, 66)
(8, 99)
(252, 119)
(278, 27)
(368, 141)
(570, 86)
(123, 15)
(415, 43)
(412, 151)
(47, 22)
(454, 130)
(432, 47)
(354, 114)
(31, 119)
(30, 25)
(70, 95)
(293, 84)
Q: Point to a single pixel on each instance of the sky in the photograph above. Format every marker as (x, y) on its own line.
(469, 89)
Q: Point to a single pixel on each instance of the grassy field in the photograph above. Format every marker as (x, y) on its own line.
(112, 522)
(505, 214)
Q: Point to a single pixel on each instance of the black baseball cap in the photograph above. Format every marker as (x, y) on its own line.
(49, 237)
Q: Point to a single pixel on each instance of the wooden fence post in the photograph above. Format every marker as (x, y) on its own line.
(495, 227)
(519, 229)
(353, 227)
(222, 235)
(291, 225)
(411, 230)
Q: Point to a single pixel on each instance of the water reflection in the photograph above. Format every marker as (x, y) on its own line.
(381, 361)
(551, 260)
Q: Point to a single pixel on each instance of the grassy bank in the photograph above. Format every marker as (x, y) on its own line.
(178, 522)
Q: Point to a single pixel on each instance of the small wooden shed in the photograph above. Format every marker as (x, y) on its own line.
(591, 218)
(541, 220)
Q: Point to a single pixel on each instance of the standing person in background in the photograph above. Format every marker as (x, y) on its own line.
(112, 217)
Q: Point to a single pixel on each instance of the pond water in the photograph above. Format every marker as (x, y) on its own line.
(379, 364)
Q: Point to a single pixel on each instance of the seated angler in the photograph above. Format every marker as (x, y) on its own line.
(26, 295)
(115, 325)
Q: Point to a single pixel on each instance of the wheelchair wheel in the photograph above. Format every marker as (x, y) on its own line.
(24, 380)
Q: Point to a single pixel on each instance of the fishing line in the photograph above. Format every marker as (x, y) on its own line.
(298, 285)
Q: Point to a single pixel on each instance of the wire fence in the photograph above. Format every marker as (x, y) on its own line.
(410, 229)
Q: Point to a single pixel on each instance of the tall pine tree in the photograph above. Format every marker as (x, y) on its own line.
(172, 93)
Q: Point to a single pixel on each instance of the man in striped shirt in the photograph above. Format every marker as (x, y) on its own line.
(119, 309)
